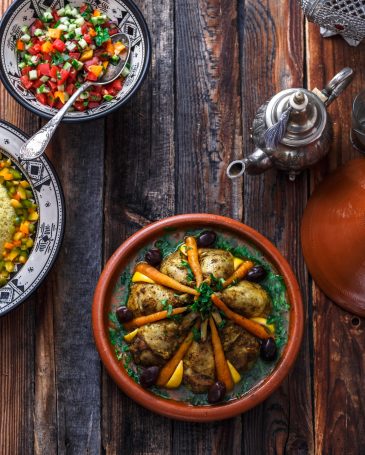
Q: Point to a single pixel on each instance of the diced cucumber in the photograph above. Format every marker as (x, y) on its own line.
(114, 59)
(44, 78)
(47, 16)
(92, 46)
(71, 46)
(84, 95)
(38, 32)
(98, 20)
(33, 75)
(67, 66)
(76, 64)
(72, 27)
(74, 12)
(61, 12)
(108, 97)
(67, 9)
(64, 20)
(63, 27)
(80, 21)
(28, 46)
(82, 43)
(25, 38)
(125, 72)
(43, 89)
(22, 65)
(61, 88)
(34, 59)
(25, 29)
(78, 31)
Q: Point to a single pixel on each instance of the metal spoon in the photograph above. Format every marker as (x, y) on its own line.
(37, 144)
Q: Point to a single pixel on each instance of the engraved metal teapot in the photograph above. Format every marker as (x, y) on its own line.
(292, 131)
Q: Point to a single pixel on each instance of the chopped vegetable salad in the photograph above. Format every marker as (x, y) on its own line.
(63, 49)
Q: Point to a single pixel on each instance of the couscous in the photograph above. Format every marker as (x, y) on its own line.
(7, 215)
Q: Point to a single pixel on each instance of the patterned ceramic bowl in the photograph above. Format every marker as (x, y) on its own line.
(24, 12)
(49, 229)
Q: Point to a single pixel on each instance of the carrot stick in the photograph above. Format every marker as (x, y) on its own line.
(240, 273)
(168, 369)
(193, 259)
(164, 280)
(253, 327)
(221, 366)
(143, 320)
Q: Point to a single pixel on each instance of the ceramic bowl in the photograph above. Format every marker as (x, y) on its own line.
(50, 226)
(103, 302)
(24, 12)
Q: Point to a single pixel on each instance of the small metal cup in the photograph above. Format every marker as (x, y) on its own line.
(358, 122)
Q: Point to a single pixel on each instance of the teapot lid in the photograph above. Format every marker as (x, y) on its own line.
(307, 119)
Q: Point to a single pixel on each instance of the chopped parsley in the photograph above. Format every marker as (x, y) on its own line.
(102, 35)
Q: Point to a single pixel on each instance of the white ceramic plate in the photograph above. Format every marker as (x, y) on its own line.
(50, 227)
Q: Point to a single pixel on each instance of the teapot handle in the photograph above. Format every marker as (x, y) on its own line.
(337, 85)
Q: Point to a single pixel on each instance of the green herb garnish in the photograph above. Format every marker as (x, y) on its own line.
(102, 35)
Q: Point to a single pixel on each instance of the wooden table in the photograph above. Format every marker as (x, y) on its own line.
(214, 63)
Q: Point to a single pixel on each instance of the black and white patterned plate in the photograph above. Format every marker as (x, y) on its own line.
(50, 227)
(24, 12)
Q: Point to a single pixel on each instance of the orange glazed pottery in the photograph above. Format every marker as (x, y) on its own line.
(182, 410)
(333, 236)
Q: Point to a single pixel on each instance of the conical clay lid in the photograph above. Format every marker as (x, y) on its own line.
(333, 236)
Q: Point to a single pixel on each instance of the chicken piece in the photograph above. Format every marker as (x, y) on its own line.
(248, 299)
(218, 263)
(199, 366)
(174, 267)
(145, 298)
(240, 347)
(155, 343)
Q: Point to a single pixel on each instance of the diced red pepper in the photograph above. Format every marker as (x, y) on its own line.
(42, 98)
(26, 82)
(38, 24)
(44, 69)
(59, 45)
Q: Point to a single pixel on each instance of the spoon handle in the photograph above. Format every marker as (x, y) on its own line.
(36, 145)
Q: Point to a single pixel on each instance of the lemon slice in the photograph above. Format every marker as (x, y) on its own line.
(237, 262)
(129, 337)
(183, 249)
(139, 277)
(234, 373)
(263, 321)
(176, 378)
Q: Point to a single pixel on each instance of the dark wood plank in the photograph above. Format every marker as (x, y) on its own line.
(17, 331)
(272, 60)
(339, 363)
(139, 188)
(208, 136)
(78, 151)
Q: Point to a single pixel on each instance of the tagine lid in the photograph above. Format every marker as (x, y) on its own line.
(333, 236)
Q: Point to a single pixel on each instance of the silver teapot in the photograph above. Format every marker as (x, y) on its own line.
(292, 131)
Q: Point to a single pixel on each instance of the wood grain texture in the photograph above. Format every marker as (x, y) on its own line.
(272, 60)
(140, 175)
(339, 337)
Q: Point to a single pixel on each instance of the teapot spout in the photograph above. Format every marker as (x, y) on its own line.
(256, 163)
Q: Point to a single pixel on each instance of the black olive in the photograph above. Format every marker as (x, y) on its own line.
(257, 273)
(153, 257)
(149, 376)
(123, 314)
(206, 238)
(268, 349)
(217, 392)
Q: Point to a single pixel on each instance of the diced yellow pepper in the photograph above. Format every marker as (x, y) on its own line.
(96, 13)
(16, 204)
(86, 55)
(47, 47)
(105, 64)
(24, 184)
(60, 96)
(110, 47)
(54, 33)
(96, 69)
(33, 216)
(118, 48)
(92, 32)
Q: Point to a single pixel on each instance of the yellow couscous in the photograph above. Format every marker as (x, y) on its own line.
(7, 215)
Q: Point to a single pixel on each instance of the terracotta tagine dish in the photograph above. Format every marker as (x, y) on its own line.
(198, 317)
(333, 236)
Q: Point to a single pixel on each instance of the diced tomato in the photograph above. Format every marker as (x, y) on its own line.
(38, 23)
(44, 69)
(70, 89)
(25, 70)
(113, 31)
(79, 105)
(88, 38)
(56, 17)
(37, 83)
(64, 75)
(47, 57)
(98, 88)
(84, 29)
(50, 99)
(42, 98)
(72, 76)
(117, 85)
(94, 96)
(83, 8)
(59, 45)
(91, 77)
(54, 71)
(93, 104)
(59, 104)
(53, 85)
(34, 50)
(75, 55)
(26, 82)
